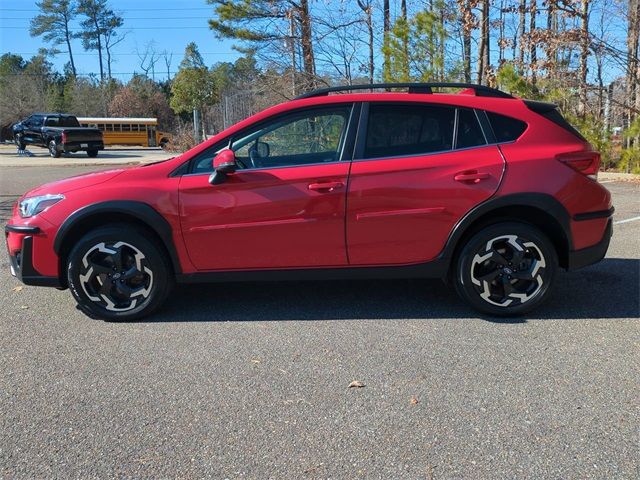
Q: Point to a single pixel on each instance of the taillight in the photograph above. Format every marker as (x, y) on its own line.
(587, 163)
(64, 137)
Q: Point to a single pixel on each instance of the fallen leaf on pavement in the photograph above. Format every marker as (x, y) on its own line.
(17, 289)
(356, 384)
(413, 401)
(255, 360)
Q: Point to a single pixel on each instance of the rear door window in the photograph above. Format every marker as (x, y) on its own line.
(408, 129)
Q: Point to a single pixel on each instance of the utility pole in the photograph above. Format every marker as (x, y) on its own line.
(292, 45)
(196, 125)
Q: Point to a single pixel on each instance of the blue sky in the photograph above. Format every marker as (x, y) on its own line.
(171, 25)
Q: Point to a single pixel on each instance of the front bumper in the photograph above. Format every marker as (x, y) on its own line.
(21, 261)
(590, 255)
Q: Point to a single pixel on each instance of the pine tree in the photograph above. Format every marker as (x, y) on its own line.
(52, 24)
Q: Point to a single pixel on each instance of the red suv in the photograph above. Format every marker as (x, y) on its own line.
(490, 192)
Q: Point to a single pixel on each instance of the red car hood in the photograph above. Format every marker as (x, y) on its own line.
(74, 183)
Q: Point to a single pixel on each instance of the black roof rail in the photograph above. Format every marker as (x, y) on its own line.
(414, 87)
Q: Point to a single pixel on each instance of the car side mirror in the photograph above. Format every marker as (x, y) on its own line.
(224, 163)
(262, 149)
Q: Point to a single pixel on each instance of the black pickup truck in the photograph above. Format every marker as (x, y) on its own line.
(59, 133)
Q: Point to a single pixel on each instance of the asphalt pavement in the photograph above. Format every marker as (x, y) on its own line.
(250, 380)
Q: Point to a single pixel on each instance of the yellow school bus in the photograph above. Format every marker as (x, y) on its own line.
(128, 131)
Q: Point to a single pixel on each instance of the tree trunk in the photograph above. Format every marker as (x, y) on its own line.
(552, 35)
(483, 44)
(522, 9)
(67, 36)
(405, 43)
(466, 26)
(386, 26)
(99, 44)
(533, 47)
(633, 34)
(584, 56)
(306, 42)
(367, 8)
(501, 34)
(441, 44)
(372, 64)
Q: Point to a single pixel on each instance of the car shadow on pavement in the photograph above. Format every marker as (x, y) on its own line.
(609, 289)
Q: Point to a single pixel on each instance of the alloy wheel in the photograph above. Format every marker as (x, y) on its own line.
(116, 276)
(508, 271)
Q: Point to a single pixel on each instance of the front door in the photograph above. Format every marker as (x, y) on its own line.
(285, 205)
(33, 132)
(419, 170)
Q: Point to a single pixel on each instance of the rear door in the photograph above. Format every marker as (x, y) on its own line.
(418, 169)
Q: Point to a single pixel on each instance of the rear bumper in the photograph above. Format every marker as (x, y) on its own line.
(77, 146)
(590, 255)
(21, 261)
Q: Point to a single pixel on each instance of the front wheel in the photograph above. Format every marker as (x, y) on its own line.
(118, 273)
(506, 269)
(53, 149)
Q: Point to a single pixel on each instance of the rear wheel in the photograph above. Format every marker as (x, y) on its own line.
(93, 153)
(118, 273)
(53, 149)
(506, 269)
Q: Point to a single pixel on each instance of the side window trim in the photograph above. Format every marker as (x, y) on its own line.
(456, 122)
(344, 147)
(361, 133)
(487, 131)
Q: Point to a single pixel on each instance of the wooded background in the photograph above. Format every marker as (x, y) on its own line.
(580, 54)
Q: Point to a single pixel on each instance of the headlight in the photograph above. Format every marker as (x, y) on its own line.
(34, 205)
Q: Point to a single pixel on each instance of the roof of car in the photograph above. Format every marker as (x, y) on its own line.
(45, 114)
(412, 88)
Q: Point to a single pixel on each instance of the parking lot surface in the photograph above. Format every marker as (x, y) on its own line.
(250, 380)
(112, 155)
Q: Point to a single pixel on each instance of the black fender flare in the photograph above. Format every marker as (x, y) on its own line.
(542, 201)
(144, 212)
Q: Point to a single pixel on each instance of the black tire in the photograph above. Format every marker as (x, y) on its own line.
(53, 149)
(20, 142)
(137, 268)
(506, 269)
(92, 153)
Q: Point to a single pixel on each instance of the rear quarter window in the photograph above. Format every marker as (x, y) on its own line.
(469, 131)
(506, 129)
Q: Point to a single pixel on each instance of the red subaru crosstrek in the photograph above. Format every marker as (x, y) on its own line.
(491, 192)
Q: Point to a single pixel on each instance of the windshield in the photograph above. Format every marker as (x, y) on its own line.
(62, 122)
